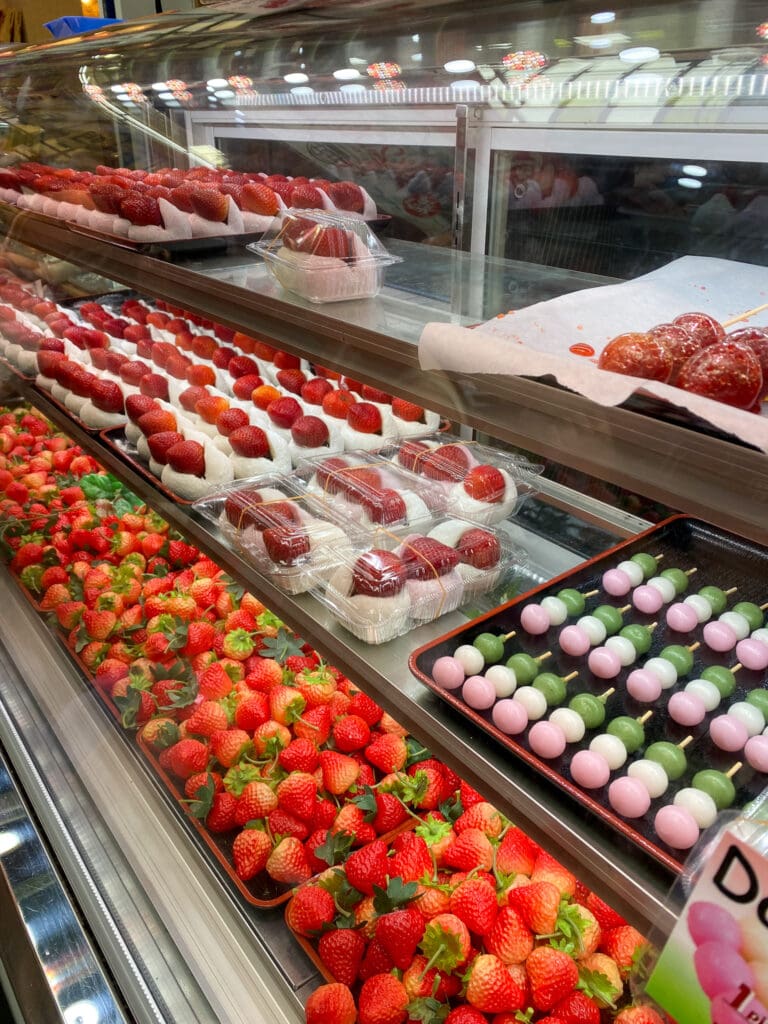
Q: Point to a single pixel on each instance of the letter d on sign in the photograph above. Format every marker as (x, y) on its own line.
(735, 878)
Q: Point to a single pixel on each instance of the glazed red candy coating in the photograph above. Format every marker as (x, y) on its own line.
(756, 339)
(702, 327)
(637, 355)
(679, 344)
(727, 372)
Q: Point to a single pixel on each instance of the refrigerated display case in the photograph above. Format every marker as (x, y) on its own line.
(513, 156)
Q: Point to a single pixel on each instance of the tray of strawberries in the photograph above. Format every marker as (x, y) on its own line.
(461, 917)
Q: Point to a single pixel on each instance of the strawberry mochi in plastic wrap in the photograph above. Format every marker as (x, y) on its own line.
(288, 536)
(324, 256)
(472, 481)
(404, 579)
(368, 491)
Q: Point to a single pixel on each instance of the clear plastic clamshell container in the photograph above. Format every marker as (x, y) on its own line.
(290, 536)
(467, 479)
(404, 578)
(324, 256)
(364, 489)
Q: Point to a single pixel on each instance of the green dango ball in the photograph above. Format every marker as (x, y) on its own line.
(572, 600)
(680, 657)
(646, 562)
(552, 686)
(717, 785)
(759, 699)
(751, 613)
(716, 597)
(722, 677)
(610, 617)
(639, 636)
(629, 731)
(677, 578)
(490, 646)
(525, 668)
(590, 709)
(671, 758)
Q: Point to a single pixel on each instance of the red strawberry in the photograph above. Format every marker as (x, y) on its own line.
(552, 975)
(250, 852)
(446, 942)
(510, 938)
(301, 755)
(606, 916)
(407, 411)
(340, 772)
(485, 483)
(364, 417)
(242, 366)
(399, 933)
(141, 210)
(297, 794)
(330, 1004)
(284, 412)
(259, 199)
(547, 869)
(384, 506)
(378, 573)
(469, 1015)
(638, 1015)
(382, 1000)
(423, 557)
(537, 904)
(291, 380)
(187, 757)
(310, 908)
(221, 817)
(470, 850)
(447, 463)
(137, 406)
(516, 853)
(250, 442)
(256, 801)
(314, 390)
(388, 753)
(210, 204)
(342, 953)
(306, 197)
(309, 432)
(207, 718)
(490, 986)
(622, 945)
(107, 396)
(350, 733)
(159, 444)
(187, 457)
(288, 862)
(479, 548)
(346, 195)
(577, 1008)
(336, 403)
(244, 387)
(154, 421)
(412, 859)
(367, 867)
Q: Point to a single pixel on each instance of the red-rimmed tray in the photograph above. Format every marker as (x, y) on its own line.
(721, 559)
(262, 891)
(114, 438)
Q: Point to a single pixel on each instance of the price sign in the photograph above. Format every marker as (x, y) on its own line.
(714, 967)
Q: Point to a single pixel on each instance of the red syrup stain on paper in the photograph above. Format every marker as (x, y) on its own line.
(582, 349)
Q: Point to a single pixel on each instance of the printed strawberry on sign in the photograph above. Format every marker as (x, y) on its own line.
(325, 256)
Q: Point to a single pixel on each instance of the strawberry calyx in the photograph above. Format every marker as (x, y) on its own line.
(569, 930)
(396, 894)
(335, 848)
(281, 646)
(427, 1009)
(200, 805)
(597, 986)
(238, 777)
(524, 1016)
(443, 949)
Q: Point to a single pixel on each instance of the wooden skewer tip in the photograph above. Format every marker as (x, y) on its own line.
(571, 675)
(763, 606)
(731, 590)
(653, 625)
(690, 572)
(624, 609)
(508, 636)
(694, 647)
(732, 771)
(590, 593)
(735, 668)
(607, 694)
(544, 656)
(684, 743)
(644, 718)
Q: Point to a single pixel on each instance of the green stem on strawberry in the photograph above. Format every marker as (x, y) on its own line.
(432, 961)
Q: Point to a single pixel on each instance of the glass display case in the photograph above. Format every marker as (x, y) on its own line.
(508, 155)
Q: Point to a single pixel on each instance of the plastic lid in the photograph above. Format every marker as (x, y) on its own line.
(325, 237)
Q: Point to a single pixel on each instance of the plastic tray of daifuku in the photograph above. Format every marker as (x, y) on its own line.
(636, 682)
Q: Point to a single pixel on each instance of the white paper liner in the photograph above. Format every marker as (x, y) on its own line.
(535, 341)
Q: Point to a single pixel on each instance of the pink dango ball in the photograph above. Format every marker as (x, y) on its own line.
(479, 693)
(709, 922)
(546, 739)
(643, 686)
(449, 673)
(752, 654)
(604, 663)
(720, 969)
(647, 599)
(629, 797)
(676, 827)
(681, 617)
(574, 641)
(589, 769)
(728, 733)
(686, 708)
(534, 619)
(616, 582)
(756, 753)
(719, 636)
(509, 716)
